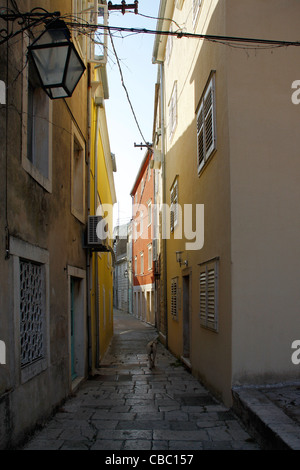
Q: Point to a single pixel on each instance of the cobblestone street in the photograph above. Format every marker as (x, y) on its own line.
(129, 407)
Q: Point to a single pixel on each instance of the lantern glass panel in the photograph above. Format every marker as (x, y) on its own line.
(52, 36)
(74, 71)
(51, 63)
(58, 92)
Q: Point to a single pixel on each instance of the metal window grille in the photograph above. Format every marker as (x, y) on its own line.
(32, 296)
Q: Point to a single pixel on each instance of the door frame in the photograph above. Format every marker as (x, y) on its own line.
(80, 326)
(186, 317)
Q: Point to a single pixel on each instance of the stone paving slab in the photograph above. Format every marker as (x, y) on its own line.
(134, 408)
(271, 414)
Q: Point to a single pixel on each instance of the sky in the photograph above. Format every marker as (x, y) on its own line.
(140, 75)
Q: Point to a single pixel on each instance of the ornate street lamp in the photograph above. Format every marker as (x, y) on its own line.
(57, 61)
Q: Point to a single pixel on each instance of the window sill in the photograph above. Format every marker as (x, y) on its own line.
(43, 181)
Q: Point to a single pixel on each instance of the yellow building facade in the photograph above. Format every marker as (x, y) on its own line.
(101, 196)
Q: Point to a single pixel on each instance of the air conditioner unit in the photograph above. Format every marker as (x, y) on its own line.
(92, 238)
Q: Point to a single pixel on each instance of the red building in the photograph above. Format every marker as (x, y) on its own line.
(142, 195)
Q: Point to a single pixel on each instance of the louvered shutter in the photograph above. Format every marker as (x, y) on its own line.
(174, 207)
(211, 297)
(206, 135)
(208, 289)
(173, 111)
(171, 209)
(200, 136)
(209, 121)
(174, 297)
(203, 297)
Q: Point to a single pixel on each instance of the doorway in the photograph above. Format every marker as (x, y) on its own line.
(186, 315)
(78, 358)
(72, 325)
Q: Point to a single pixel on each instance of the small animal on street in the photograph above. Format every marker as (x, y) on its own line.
(151, 352)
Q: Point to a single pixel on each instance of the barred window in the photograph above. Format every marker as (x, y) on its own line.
(208, 291)
(174, 299)
(32, 306)
(206, 128)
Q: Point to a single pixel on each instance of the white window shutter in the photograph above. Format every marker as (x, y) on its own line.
(209, 121)
(200, 137)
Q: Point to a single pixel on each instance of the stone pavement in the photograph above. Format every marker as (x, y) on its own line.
(271, 413)
(126, 406)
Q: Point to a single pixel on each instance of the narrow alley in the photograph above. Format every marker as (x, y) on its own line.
(127, 406)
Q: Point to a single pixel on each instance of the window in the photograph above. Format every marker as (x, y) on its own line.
(206, 128)
(103, 306)
(135, 265)
(174, 294)
(78, 176)
(97, 46)
(32, 312)
(208, 291)
(179, 4)
(37, 129)
(31, 308)
(149, 257)
(196, 9)
(141, 222)
(169, 46)
(110, 309)
(2, 92)
(135, 231)
(149, 213)
(142, 263)
(174, 205)
(80, 17)
(173, 111)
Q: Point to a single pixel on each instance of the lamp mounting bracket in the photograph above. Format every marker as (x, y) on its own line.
(24, 20)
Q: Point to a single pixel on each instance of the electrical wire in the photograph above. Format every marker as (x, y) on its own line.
(158, 18)
(181, 34)
(126, 90)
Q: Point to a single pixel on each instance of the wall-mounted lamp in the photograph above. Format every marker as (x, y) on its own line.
(179, 258)
(57, 61)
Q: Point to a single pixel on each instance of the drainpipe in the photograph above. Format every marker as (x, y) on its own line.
(163, 166)
(89, 111)
(97, 296)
